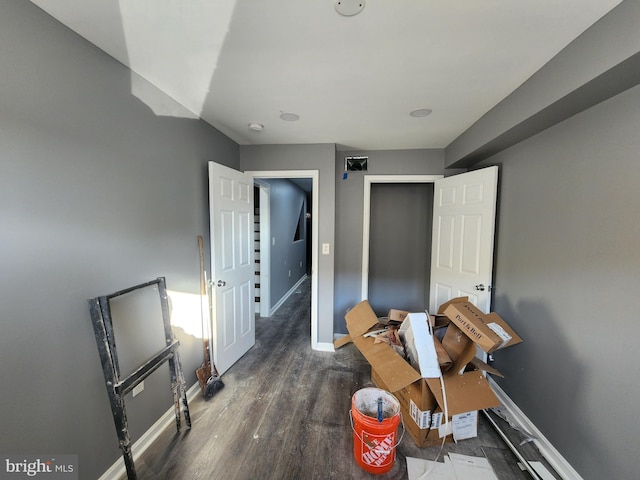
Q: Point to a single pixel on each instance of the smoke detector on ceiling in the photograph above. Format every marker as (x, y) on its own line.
(348, 8)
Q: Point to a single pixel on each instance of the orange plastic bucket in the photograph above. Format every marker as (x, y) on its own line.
(375, 416)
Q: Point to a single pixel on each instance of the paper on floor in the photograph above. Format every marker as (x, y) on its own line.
(455, 467)
(419, 469)
(467, 467)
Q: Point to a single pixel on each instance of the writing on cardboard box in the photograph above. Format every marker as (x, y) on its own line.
(468, 326)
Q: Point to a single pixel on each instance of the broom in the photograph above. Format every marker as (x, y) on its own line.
(209, 384)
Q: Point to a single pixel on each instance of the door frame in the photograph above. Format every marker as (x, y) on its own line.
(366, 214)
(314, 175)
(264, 190)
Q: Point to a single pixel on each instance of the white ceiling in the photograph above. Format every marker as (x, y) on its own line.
(351, 79)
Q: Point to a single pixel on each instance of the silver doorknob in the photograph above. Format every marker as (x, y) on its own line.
(480, 287)
(221, 283)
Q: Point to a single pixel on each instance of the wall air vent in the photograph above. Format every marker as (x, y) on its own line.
(355, 164)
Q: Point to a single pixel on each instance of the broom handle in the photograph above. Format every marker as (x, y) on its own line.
(203, 292)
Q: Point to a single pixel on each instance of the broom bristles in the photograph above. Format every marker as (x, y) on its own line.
(214, 385)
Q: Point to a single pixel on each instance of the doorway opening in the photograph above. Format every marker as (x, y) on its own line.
(370, 268)
(400, 239)
(307, 180)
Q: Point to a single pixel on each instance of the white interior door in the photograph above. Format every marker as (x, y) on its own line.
(232, 269)
(463, 229)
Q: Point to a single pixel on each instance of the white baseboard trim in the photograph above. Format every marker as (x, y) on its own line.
(287, 295)
(557, 461)
(324, 347)
(118, 469)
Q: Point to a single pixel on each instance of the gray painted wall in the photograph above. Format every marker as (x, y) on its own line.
(349, 211)
(288, 259)
(400, 246)
(567, 278)
(97, 193)
(320, 157)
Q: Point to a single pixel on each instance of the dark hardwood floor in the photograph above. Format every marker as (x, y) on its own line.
(284, 414)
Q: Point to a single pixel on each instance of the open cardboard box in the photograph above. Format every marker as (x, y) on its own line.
(394, 317)
(465, 392)
(488, 330)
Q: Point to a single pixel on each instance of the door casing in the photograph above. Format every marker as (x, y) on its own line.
(366, 215)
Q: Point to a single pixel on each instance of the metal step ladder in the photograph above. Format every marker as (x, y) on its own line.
(118, 387)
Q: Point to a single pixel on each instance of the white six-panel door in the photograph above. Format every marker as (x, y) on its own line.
(232, 268)
(463, 230)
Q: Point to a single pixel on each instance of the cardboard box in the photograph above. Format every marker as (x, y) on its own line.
(414, 398)
(342, 341)
(488, 331)
(438, 320)
(423, 426)
(460, 348)
(397, 316)
(444, 306)
(465, 392)
(394, 317)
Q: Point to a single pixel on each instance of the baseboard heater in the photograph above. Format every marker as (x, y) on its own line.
(512, 447)
(547, 450)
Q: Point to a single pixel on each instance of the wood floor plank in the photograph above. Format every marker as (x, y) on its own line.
(504, 464)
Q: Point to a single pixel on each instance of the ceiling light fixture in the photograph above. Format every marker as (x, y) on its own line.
(420, 112)
(289, 117)
(348, 8)
(256, 127)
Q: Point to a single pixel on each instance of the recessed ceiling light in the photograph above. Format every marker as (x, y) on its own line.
(420, 112)
(256, 127)
(289, 117)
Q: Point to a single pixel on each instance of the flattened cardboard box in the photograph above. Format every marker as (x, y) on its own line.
(488, 331)
(393, 372)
